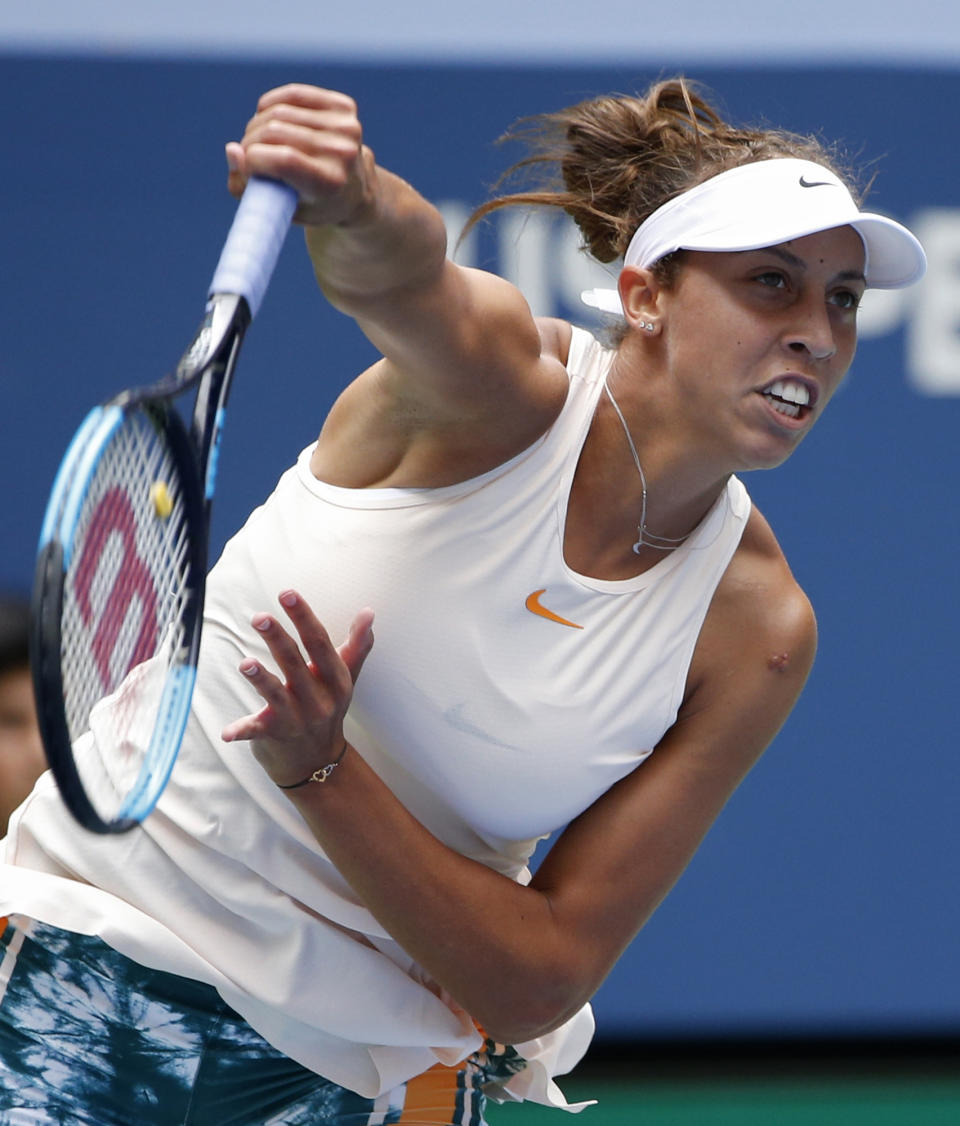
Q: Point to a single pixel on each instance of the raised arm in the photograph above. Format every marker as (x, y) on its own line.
(520, 959)
(460, 346)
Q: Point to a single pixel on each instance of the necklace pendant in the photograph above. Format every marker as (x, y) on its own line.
(639, 544)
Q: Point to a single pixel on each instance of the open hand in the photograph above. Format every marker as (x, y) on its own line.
(300, 726)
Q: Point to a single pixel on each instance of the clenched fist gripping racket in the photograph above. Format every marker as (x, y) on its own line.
(119, 585)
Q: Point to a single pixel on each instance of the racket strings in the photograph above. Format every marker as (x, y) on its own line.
(124, 604)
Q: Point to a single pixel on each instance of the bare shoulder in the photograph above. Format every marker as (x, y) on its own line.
(759, 591)
(757, 644)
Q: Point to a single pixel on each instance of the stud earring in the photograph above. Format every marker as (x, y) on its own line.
(648, 325)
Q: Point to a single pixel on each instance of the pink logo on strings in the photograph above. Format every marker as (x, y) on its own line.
(114, 516)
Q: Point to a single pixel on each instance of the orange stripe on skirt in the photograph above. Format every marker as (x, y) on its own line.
(431, 1098)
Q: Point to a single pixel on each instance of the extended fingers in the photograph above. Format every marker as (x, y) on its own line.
(296, 674)
(325, 659)
(304, 705)
(258, 724)
(324, 663)
(293, 701)
(354, 651)
(309, 687)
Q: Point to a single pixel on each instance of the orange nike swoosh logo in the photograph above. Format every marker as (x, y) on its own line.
(533, 605)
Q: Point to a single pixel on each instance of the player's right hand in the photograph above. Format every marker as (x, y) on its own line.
(310, 138)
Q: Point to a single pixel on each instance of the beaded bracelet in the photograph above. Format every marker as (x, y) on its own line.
(319, 775)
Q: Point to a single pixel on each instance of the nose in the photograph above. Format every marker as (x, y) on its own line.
(812, 331)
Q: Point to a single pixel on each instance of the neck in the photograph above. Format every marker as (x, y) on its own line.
(680, 488)
(645, 537)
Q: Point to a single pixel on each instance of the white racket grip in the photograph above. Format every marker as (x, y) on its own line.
(254, 242)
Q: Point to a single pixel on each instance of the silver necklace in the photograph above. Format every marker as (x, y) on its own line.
(644, 536)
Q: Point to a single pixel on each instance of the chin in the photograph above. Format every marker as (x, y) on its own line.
(770, 455)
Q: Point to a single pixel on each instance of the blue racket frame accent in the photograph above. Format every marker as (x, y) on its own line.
(210, 483)
(72, 482)
(164, 746)
(66, 474)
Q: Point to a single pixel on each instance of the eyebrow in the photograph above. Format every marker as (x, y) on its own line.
(800, 264)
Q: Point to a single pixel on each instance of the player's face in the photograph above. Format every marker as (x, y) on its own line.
(21, 752)
(761, 339)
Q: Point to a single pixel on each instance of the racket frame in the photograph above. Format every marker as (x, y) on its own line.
(53, 564)
(239, 284)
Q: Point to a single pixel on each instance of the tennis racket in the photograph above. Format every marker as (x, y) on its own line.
(119, 583)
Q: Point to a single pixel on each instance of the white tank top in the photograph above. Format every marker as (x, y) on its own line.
(495, 713)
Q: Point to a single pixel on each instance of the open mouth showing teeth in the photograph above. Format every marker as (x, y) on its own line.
(788, 397)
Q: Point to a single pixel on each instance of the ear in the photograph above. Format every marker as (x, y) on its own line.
(640, 294)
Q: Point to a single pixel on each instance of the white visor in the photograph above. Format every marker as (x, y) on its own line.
(763, 204)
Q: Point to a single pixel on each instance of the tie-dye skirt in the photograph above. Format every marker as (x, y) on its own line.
(88, 1036)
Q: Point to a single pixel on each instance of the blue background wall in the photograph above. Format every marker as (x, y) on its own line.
(826, 898)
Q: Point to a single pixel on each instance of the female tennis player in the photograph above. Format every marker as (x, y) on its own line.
(583, 628)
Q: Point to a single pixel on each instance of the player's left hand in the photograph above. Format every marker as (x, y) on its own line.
(300, 726)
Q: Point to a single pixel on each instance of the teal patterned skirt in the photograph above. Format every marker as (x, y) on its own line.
(89, 1037)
